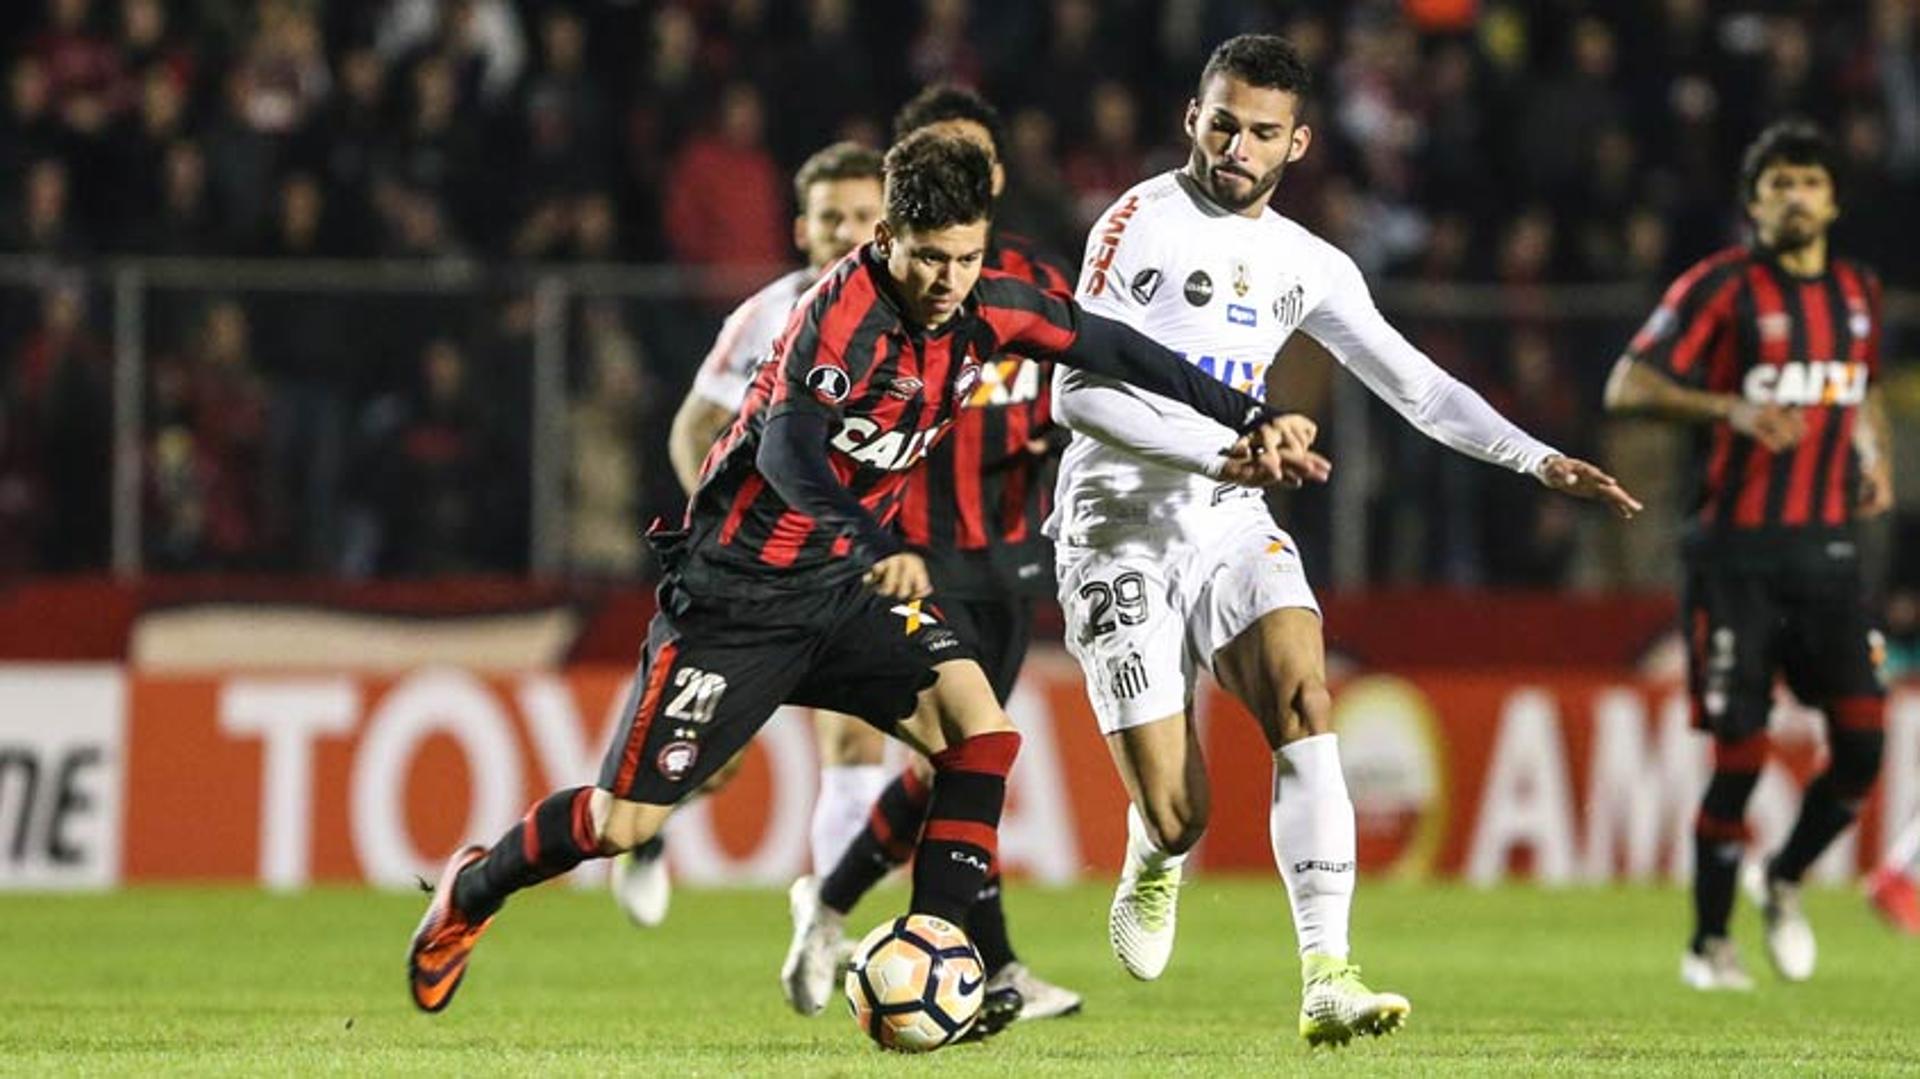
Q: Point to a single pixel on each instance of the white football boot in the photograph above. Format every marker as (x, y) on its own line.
(1716, 967)
(1140, 923)
(1789, 938)
(642, 886)
(1335, 1004)
(1041, 999)
(813, 959)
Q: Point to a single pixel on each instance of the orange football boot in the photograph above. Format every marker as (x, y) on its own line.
(437, 958)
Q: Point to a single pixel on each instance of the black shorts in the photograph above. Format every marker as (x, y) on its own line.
(1000, 631)
(715, 669)
(1745, 624)
(991, 596)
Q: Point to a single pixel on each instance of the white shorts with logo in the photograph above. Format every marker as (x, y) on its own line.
(1141, 616)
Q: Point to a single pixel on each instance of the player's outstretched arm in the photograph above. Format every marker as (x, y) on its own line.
(1150, 428)
(1266, 451)
(1442, 407)
(1118, 351)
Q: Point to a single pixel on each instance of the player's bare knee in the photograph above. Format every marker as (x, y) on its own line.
(983, 718)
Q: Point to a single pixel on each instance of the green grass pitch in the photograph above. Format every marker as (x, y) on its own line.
(1504, 982)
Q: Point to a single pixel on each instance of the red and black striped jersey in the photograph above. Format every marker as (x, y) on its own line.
(1738, 322)
(891, 391)
(982, 487)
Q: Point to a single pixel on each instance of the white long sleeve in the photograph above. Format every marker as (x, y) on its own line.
(1140, 423)
(1439, 405)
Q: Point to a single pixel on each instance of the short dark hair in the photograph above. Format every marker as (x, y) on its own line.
(945, 101)
(1790, 142)
(1265, 60)
(937, 181)
(841, 161)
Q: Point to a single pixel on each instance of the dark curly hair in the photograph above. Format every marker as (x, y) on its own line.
(945, 101)
(1791, 142)
(1264, 60)
(936, 181)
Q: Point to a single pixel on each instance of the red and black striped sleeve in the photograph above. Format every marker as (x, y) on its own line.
(828, 344)
(1696, 310)
(1025, 319)
(1051, 325)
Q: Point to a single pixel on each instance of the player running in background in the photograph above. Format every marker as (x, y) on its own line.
(1163, 569)
(838, 191)
(1771, 351)
(975, 514)
(788, 587)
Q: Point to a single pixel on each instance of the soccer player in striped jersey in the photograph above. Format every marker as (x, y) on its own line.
(975, 514)
(1165, 571)
(786, 584)
(1771, 350)
(838, 190)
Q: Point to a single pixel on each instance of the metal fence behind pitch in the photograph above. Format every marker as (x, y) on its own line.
(553, 454)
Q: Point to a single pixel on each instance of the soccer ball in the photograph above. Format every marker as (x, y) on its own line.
(915, 984)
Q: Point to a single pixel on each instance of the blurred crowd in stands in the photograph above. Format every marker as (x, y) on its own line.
(1521, 144)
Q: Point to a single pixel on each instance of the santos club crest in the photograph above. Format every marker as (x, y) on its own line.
(1290, 307)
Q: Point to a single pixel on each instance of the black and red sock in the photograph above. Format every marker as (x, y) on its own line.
(987, 926)
(887, 841)
(1720, 833)
(555, 835)
(1855, 744)
(960, 845)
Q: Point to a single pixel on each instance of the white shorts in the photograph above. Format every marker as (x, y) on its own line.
(1141, 617)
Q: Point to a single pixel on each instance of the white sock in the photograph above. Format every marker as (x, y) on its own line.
(847, 793)
(1311, 824)
(1141, 850)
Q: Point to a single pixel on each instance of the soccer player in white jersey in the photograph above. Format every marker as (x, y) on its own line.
(1162, 568)
(839, 192)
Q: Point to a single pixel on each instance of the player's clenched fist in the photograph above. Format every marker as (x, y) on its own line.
(901, 576)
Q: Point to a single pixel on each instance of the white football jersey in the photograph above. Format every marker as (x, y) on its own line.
(1226, 291)
(746, 338)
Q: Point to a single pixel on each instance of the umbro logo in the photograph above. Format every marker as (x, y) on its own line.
(906, 389)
